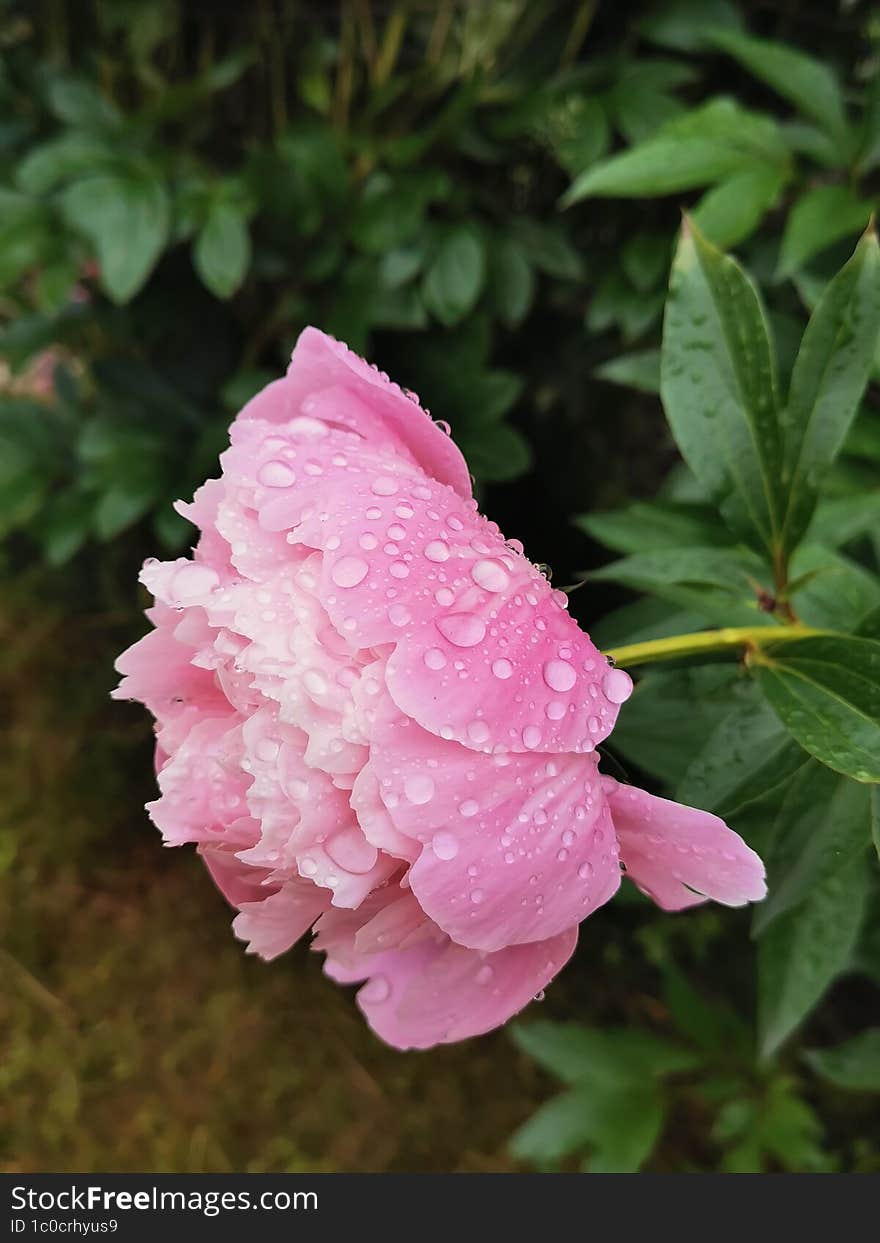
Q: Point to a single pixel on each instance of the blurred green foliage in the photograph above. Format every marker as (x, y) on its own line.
(484, 196)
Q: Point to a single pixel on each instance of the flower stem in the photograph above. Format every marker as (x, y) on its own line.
(730, 638)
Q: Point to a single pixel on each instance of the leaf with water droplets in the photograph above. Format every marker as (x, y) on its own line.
(828, 380)
(826, 691)
(823, 823)
(806, 950)
(718, 385)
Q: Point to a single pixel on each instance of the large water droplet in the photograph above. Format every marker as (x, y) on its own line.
(444, 845)
(462, 629)
(275, 475)
(437, 551)
(617, 685)
(531, 737)
(434, 658)
(559, 675)
(469, 808)
(418, 788)
(478, 732)
(502, 668)
(384, 486)
(490, 575)
(349, 571)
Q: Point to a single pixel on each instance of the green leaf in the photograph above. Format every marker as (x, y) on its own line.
(826, 691)
(824, 822)
(639, 370)
(601, 1057)
(830, 591)
(455, 278)
(126, 218)
(511, 281)
(731, 211)
(561, 1126)
(854, 1065)
(748, 754)
(80, 103)
(807, 83)
(829, 377)
(819, 218)
(685, 24)
(548, 249)
(73, 154)
(837, 520)
(804, 951)
(653, 526)
(718, 385)
(705, 145)
(223, 249)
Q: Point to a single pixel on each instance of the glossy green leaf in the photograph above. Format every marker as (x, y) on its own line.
(718, 384)
(819, 218)
(854, 1065)
(511, 281)
(654, 526)
(809, 84)
(748, 754)
(223, 249)
(823, 823)
(826, 691)
(829, 377)
(732, 210)
(707, 144)
(805, 950)
(126, 218)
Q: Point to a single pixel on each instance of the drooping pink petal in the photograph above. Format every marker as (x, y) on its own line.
(680, 856)
(437, 992)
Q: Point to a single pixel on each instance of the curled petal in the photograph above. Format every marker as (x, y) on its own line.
(680, 856)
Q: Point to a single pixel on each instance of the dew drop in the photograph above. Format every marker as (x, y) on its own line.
(559, 675)
(275, 475)
(349, 571)
(468, 808)
(444, 845)
(478, 732)
(434, 658)
(375, 991)
(462, 629)
(531, 736)
(617, 686)
(437, 551)
(502, 668)
(490, 575)
(419, 789)
(384, 486)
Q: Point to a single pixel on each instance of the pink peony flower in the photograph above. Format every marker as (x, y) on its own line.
(375, 718)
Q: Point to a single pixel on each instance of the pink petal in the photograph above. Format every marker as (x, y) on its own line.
(272, 926)
(437, 992)
(679, 855)
(515, 848)
(327, 382)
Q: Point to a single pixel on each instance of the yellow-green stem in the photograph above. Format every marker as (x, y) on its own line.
(730, 638)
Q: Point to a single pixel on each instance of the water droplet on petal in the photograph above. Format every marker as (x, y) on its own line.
(490, 575)
(444, 845)
(502, 668)
(478, 732)
(469, 808)
(384, 486)
(418, 788)
(531, 736)
(399, 615)
(349, 571)
(437, 551)
(559, 675)
(434, 658)
(462, 629)
(275, 475)
(617, 685)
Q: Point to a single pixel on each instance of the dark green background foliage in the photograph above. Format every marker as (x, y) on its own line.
(485, 198)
